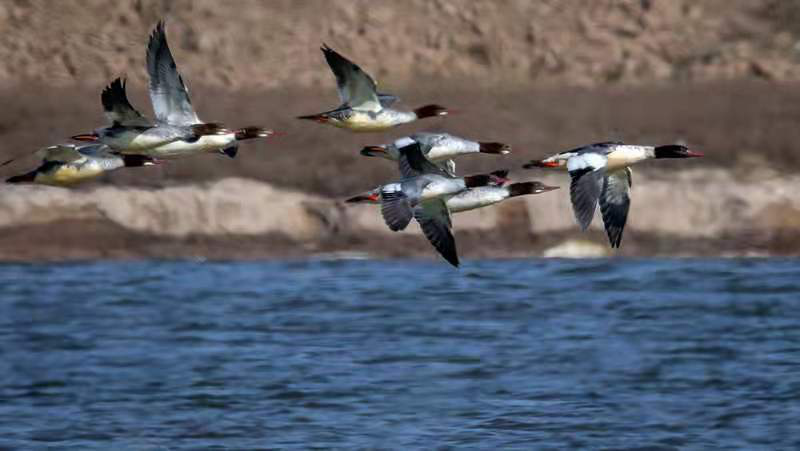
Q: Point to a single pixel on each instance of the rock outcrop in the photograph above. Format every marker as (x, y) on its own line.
(691, 205)
(226, 207)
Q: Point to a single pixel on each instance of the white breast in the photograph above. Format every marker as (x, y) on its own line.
(626, 155)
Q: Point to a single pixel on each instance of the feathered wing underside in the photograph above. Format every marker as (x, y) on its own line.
(412, 162)
(168, 93)
(615, 202)
(356, 88)
(118, 109)
(396, 209)
(434, 219)
(587, 172)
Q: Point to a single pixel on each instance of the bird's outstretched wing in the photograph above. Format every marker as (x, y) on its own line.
(615, 201)
(167, 91)
(356, 88)
(396, 209)
(587, 171)
(117, 108)
(434, 219)
(413, 162)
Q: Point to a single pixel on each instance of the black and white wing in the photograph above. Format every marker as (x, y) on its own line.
(395, 207)
(587, 171)
(356, 88)
(615, 201)
(167, 91)
(412, 162)
(117, 108)
(434, 219)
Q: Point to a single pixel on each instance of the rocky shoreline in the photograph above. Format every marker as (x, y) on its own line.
(692, 213)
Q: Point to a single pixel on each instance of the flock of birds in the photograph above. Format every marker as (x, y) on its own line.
(429, 189)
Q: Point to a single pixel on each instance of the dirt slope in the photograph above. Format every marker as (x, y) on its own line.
(720, 75)
(260, 44)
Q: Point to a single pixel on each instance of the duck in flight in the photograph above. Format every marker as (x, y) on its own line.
(423, 194)
(363, 109)
(601, 173)
(68, 164)
(177, 130)
(472, 198)
(439, 148)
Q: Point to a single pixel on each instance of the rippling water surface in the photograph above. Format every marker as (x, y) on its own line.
(527, 354)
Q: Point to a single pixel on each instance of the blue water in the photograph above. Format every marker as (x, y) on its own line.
(521, 354)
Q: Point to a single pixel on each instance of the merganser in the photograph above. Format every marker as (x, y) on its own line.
(439, 148)
(601, 172)
(423, 197)
(473, 198)
(412, 162)
(68, 164)
(363, 109)
(178, 131)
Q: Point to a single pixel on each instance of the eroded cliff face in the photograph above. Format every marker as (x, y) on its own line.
(257, 44)
(691, 205)
(225, 207)
(541, 76)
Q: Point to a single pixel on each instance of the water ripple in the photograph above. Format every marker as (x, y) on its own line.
(627, 354)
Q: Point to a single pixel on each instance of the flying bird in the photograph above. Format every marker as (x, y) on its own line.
(68, 164)
(363, 109)
(601, 173)
(422, 194)
(472, 198)
(439, 148)
(177, 131)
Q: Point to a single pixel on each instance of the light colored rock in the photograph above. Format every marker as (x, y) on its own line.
(228, 206)
(577, 249)
(698, 203)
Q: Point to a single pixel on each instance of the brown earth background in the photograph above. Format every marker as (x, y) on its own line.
(719, 75)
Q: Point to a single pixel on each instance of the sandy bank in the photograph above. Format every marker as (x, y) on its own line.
(729, 215)
(564, 41)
